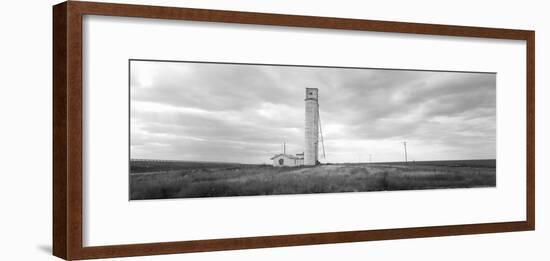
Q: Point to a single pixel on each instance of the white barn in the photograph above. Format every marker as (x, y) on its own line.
(287, 160)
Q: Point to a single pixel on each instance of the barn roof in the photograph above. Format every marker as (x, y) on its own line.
(286, 156)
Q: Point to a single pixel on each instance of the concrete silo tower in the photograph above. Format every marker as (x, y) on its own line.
(311, 146)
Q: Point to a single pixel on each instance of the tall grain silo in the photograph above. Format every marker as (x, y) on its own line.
(311, 146)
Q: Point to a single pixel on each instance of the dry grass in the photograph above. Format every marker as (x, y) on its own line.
(222, 180)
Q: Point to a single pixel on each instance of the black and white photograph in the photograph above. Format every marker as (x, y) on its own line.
(274, 130)
(201, 129)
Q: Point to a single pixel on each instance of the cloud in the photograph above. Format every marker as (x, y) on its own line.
(242, 113)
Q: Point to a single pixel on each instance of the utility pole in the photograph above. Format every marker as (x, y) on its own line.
(284, 147)
(405, 146)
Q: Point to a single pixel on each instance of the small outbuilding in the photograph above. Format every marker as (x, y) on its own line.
(287, 160)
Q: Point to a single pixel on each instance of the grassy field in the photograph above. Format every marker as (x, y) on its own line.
(177, 179)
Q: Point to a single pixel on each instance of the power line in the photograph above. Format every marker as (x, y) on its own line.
(321, 132)
(405, 147)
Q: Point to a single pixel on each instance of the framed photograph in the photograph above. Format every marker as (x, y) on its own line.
(187, 130)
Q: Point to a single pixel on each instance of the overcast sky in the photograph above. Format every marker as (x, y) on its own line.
(243, 113)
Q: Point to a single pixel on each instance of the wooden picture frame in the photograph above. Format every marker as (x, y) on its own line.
(68, 145)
